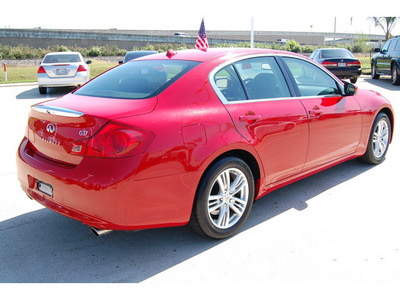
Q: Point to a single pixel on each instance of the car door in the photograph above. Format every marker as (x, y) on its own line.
(258, 99)
(383, 61)
(334, 120)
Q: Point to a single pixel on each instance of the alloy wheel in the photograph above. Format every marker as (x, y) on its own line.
(228, 198)
(380, 139)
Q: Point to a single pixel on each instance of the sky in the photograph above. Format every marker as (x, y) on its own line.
(180, 15)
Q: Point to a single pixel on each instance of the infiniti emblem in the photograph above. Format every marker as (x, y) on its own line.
(51, 127)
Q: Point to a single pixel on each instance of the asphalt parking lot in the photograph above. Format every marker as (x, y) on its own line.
(337, 228)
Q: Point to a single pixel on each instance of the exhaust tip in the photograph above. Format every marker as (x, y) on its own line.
(100, 232)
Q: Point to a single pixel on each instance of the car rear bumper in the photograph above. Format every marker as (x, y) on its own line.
(103, 193)
(79, 79)
(346, 72)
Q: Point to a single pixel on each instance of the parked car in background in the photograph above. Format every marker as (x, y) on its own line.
(62, 69)
(181, 34)
(340, 62)
(135, 54)
(387, 61)
(195, 137)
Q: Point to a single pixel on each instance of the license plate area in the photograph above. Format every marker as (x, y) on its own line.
(341, 65)
(44, 187)
(62, 72)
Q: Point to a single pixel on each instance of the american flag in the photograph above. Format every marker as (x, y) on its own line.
(201, 42)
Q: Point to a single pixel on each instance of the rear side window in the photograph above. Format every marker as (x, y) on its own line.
(262, 78)
(137, 79)
(252, 79)
(229, 84)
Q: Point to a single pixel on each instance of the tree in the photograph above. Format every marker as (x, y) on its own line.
(386, 23)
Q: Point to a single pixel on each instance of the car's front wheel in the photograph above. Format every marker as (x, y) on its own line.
(395, 76)
(379, 140)
(224, 199)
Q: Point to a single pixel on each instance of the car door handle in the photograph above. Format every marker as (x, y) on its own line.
(316, 112)
(249, 118)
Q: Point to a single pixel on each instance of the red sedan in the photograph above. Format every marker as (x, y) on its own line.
(195, 137)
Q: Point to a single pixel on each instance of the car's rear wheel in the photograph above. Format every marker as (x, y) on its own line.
(379, 140)
(224, 199)
(395, 76)
(353, 80)
(42, 90)
(374, 75)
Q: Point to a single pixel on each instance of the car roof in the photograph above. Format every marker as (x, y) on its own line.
(142, 51)
(212, 53)
(331, 49)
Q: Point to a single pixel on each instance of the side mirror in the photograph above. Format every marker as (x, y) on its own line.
(89, 62)
(120, 62)
(377, 50)
(349, 89)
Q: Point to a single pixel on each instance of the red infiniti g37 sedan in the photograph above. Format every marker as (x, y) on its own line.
(193, 137)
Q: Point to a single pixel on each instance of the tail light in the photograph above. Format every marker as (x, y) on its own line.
(329, 64)
(81, 69)
(354, 64)
(114, 141)
(41, 70)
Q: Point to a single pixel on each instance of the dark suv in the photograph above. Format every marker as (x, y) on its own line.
(387, 61)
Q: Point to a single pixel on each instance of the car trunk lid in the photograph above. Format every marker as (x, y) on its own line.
(55, 125)
(60, 70)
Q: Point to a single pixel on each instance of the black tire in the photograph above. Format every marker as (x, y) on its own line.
(379, 140)
(374, 75)
(395, 75)
(213, 205)
(353, 80)
(42, 90)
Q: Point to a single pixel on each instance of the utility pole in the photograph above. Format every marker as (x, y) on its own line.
(334, 32)
(252, 33)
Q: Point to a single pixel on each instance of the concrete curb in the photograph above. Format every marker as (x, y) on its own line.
(17, 84)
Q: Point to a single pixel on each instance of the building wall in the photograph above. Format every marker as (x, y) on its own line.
(124, 39)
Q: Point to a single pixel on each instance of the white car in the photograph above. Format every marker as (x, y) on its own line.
(62, 69)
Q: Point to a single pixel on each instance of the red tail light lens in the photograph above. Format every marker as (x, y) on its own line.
(354, 64)
(114, 141)
(41, 70)
(329, 64)
(81, 69)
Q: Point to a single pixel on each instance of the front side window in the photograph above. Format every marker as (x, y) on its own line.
(311, 80)
(392, 45)
(397, 45)
(137, 79)
(386, 46)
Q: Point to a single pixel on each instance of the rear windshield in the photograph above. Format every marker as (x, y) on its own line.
(336, 53)
(61, 58)
(135, 54)
(137, 79)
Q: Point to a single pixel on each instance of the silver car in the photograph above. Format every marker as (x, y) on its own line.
(62, 69)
